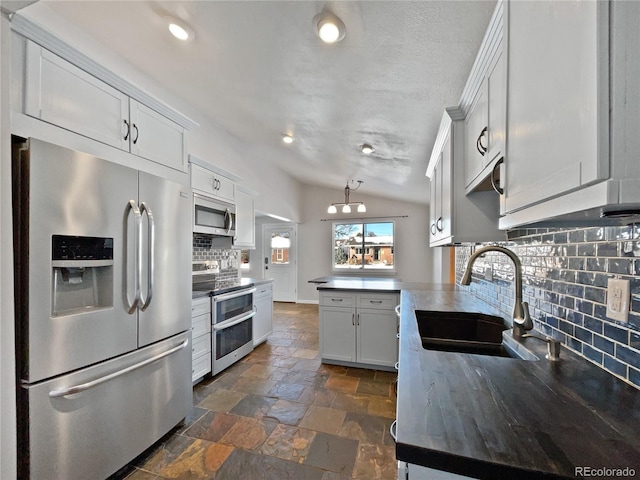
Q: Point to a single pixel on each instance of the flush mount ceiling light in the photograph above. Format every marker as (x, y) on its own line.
(346, 206)
(328, 27)
(179, 29)
(286, 138)
(367, 149)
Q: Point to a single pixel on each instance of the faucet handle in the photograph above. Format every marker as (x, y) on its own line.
(527, 323)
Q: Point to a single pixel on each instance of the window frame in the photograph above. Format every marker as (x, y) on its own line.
(361, 270)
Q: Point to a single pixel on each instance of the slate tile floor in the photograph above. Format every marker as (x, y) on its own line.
(280, 414)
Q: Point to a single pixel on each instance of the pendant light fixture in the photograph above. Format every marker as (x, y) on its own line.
(346, 206)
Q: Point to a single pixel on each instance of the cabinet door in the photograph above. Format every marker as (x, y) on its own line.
(212, 183)
(226, 188)
(553, 101)
(476, 137)
(338, 334)
(245, 221)
(435, 207)
(156, 138)
(496, 108)
(59, 93)
(263, 319)
(377, 341)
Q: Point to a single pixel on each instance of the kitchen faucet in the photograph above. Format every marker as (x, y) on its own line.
(521, 319)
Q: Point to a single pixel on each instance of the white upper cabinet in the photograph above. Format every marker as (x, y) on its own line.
(155, 137)
(60, 93)
(245, 218)
(66, 89)
(573, 111)
(206, 178)
(456, 217)
(483, 104)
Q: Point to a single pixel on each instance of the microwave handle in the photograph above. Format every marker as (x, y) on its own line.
(229, 220)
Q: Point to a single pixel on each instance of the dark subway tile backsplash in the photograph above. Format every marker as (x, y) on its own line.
(565, 276)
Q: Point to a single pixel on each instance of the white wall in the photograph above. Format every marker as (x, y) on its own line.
(414, 259)
(7, 366)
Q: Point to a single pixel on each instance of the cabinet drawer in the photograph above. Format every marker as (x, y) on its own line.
(263, 290)
(201, 367)
(200, 326)
(200, 346)
(200, 306)
(337, 299)
(386, 302)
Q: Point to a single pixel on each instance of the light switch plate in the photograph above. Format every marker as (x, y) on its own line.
(618, 295)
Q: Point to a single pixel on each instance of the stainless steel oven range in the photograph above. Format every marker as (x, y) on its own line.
(231, 327)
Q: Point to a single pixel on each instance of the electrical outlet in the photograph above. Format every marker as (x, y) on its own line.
(618, 299)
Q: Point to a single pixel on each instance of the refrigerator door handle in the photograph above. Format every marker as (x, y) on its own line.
(150, 254)
(62, 392)
(137, 254)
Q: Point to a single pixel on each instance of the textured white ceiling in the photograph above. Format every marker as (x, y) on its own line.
(258, 69)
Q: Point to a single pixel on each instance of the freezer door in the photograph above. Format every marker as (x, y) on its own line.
(63, 192)
(166, 259)
(119, 409)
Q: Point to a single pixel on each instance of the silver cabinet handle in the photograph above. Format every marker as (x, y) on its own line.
(494, 182)
(358, 319)
(433, 229)
(150, 255)
(397, 366)
(397, 310)
(393, 429)
(137, 259)
(61, 392)
(353, 319)
(439, 224)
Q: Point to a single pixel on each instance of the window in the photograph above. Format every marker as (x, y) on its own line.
(367, 246)
(244, 260)
(280, 244)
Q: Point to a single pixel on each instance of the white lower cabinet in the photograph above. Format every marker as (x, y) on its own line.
(359, 328)
(200, 338)
(263, 319)
(411, 471)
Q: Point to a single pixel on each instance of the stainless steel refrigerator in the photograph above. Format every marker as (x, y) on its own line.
(103, 294)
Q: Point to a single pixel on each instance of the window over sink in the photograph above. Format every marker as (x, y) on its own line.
(363, 246)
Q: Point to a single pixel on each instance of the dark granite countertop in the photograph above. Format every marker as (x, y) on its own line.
(366, 284)
(257, 281)
(491, 417)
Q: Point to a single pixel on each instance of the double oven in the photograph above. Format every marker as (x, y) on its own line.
(231, 326)
(231, 314)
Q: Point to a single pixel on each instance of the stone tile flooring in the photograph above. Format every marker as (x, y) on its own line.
(280, 414)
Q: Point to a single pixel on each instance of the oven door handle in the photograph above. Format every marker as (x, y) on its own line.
(229, 296)
(227, 324)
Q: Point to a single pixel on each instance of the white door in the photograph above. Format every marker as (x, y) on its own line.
(281, 260)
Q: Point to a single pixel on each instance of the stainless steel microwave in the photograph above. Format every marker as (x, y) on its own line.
(213, 216)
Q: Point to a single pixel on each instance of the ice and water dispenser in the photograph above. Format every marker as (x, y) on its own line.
(82, 274)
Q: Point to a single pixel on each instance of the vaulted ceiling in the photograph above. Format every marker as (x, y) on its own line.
(259, 70)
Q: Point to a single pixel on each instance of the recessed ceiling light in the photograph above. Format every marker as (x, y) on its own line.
(367, 149)
(179, 29)
(286, 138)
(328, 27)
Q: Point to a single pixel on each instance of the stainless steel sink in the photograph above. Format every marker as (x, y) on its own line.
(466, 332)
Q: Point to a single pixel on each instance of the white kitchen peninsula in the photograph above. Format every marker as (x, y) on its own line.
(358, 324)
